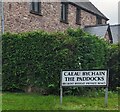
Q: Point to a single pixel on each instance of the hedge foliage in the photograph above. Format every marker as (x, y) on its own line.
(37, 58)
(114, 66)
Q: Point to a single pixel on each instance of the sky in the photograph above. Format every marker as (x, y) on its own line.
(109, 8)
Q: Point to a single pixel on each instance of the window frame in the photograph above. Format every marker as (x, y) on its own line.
(32, 7)
(98, 20)
(78, 16)
(64, 15)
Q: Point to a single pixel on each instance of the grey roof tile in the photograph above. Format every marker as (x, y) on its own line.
(97, 30)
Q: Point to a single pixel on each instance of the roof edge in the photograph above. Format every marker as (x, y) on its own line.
(115, 25)
(88, 10)
(96, 25)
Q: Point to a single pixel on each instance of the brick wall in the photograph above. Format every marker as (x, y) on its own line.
(19, 19)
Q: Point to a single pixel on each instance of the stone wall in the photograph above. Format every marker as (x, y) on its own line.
(0, 15)
(104, 21)
(87, 19)
(0, 24)
(19, 19)
(107, 37)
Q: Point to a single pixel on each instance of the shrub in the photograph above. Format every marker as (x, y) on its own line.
(35, 59)
(92, 51)
(113, 65)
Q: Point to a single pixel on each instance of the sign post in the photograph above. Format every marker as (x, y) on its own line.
(106, 96)
(84, 78)
(106, 92)
(61, 89)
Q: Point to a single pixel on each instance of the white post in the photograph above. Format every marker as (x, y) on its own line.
(61, 89)
(106, 90)
(106, 96)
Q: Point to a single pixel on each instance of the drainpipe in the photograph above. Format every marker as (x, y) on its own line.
(2, 18)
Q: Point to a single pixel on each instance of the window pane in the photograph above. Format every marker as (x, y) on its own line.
(78, 13)
(36, 9)
(64, 12)
(35, 6)
(99, 20)
(32, 6)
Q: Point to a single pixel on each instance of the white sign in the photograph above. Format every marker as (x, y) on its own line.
(84, 78)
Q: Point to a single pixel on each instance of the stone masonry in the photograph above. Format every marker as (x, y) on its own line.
(0, 24)
(87, 19)
(19, 19)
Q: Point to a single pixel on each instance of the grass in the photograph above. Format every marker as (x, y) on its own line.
(20, 101)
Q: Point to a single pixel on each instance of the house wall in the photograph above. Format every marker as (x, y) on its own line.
(107, 37)
(0, 16)
(19, 19)
(0, 24)
(104, 21)
(87, 18)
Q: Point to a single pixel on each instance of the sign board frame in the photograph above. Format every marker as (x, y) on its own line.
(107, 76)
(106, 86)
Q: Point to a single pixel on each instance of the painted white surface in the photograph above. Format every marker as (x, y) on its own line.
(84, 78)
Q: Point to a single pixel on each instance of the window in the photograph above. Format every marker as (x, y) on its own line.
(64, 12)
(35, 7)
(99, 20)
(105, 22)
(78, 16)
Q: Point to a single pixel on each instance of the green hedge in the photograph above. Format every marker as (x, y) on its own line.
(36, 58)
(114, 66)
